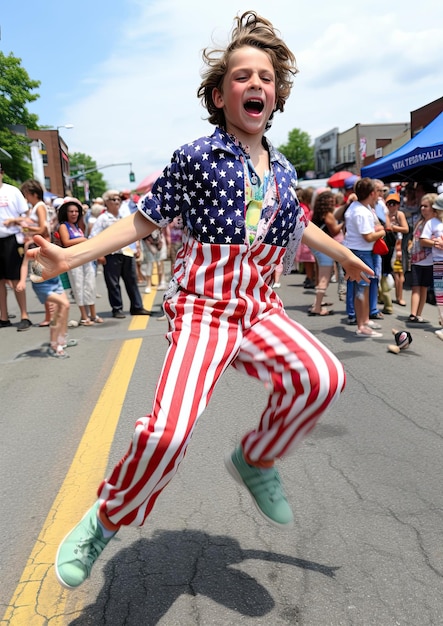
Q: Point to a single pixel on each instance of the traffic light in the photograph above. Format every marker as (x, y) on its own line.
(131, 177)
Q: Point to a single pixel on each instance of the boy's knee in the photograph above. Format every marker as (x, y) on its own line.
(328, 377)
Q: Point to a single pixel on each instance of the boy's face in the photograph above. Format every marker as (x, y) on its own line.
(248, 93)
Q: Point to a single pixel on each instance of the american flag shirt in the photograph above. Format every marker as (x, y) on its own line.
(205, 184)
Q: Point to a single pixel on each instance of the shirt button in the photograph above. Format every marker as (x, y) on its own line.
(240, 222)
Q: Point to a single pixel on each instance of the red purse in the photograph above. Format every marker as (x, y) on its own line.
(380, 247)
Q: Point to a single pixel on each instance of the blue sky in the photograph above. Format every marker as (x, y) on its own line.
(125, 73)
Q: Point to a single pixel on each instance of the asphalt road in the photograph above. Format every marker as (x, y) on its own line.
(366, 487)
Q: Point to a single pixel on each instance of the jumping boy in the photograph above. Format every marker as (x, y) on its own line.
(236, 195)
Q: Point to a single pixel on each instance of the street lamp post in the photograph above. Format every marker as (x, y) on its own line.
(68, 126)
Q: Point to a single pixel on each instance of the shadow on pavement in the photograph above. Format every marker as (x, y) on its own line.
(144, 580)
(41, 352)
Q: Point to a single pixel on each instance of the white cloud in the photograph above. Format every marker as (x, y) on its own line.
(357, 64)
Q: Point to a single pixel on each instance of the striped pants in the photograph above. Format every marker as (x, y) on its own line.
(205, 337)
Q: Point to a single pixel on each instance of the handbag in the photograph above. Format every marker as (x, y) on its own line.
(380, 247)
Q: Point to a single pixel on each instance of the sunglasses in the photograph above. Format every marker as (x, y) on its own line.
(114, 199)
(392, 203)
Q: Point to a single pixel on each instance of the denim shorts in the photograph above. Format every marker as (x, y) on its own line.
(47, 287)
(322, 259)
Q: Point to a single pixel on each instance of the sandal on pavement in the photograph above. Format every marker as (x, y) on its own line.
(59, 353)
(373, 325)
(98, 320)
(322, 314)
(377, 316)
(44, 324)
(416, 319)
(368, 333)
(87, 322)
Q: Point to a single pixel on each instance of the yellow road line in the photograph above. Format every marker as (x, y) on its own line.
(38, 598)
(139, 322)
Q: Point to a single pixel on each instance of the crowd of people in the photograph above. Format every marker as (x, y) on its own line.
(408, 221)
(356, 216)
(24, 212)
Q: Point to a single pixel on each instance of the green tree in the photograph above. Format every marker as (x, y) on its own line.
(299, 151)
(79, 163)
(16, 89)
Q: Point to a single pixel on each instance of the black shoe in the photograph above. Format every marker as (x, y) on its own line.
(5, 323)
(118, 315)
(24, 324)
(352, 321)
(140, 312)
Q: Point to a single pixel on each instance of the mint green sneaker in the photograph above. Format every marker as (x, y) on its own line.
(79, 550)
(265, 487)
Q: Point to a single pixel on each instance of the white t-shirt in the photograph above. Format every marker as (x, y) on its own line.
(359, 221)
(12, 204)
(431, 230)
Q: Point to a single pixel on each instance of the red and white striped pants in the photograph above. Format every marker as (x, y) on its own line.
(206, 336)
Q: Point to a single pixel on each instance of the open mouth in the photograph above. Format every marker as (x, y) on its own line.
(254, 105)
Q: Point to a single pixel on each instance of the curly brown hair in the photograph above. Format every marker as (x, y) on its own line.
(249, 29)
(324, 203)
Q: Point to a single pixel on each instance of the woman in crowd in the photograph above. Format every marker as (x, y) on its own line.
(432, 237)
(398, 228)
(323, 217)
(421, 261)
(37, 222)
(82, 278)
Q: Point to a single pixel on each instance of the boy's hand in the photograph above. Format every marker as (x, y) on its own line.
(356, 270)
(49, 260)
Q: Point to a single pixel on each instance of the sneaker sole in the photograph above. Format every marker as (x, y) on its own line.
(235, 474)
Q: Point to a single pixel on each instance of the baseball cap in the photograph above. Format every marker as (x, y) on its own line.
(393, 197)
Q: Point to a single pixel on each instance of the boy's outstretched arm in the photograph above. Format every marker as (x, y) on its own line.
(51, 260)
(354, 267)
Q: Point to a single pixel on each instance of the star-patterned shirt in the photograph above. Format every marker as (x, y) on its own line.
(205, 184)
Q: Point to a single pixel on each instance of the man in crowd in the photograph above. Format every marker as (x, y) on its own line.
(13, 208)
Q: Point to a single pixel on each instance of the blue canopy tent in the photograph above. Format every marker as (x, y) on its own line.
(47, 195)
(420, 159)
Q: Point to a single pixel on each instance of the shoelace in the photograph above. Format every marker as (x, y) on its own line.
(266, 481)
(88, 550)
